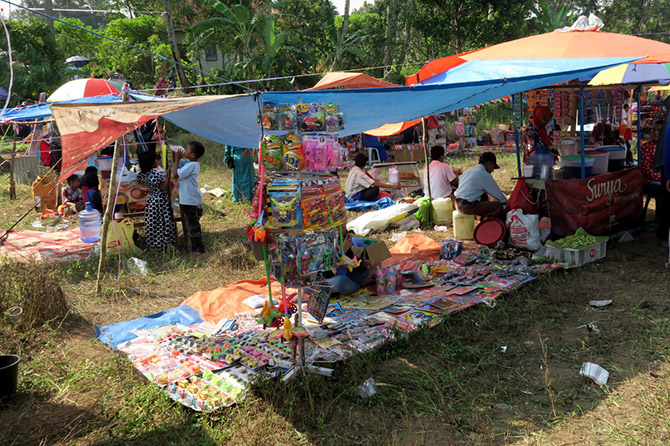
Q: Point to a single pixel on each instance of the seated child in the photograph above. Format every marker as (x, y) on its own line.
(73, 201)
(353, 280)
(90, 188)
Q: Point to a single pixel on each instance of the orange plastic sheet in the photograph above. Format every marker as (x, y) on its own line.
(414, 247)
(337, 79)
(226, 301)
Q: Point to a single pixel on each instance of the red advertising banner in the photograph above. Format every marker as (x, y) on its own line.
(602, 204)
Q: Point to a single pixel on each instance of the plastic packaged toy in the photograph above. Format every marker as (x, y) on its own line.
(316, 152)
(332, 120)
(311, 117)
(269, 116)
(294, 157)
(314, 207)
(284, 199)
(288, 117)
(273, 152)
(335, 201)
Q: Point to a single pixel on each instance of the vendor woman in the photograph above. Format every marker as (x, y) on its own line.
(360, 185)
(536, 133)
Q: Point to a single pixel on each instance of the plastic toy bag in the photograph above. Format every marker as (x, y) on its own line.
(294, 156)
(524, 230)
(269, 116)
(332, 120)
(316, 152)
(288, 117)
(284, 205)
(314, 207)
(273, 152)
(311, 117)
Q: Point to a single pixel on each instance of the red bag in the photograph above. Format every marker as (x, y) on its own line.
(520, 198)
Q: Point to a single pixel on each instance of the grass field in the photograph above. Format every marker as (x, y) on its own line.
(450, 385)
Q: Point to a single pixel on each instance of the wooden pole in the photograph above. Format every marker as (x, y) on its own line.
(12, 180)
(425, 155)
(111, 201)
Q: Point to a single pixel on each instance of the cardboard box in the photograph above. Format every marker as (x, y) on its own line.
(377, 253)
(506, 127)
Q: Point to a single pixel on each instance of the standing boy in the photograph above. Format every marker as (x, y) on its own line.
(190, 197)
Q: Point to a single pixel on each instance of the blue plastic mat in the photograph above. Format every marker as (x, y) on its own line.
(359, 206)
(121, 332)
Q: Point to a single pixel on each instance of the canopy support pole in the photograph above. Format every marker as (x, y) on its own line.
(111, 203)
(581, 130)
(516, 136)
(425, 155)
(638, 90)
(12, 180)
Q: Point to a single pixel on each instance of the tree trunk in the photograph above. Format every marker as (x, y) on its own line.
(172, 37)
(343, 35)
(48, 9)
(390, 25)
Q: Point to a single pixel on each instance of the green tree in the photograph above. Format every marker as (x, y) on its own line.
(75, 42)
(38, 63)
(549, 18)
(145, 32)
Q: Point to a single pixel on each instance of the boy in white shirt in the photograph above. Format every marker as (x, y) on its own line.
(190, 198)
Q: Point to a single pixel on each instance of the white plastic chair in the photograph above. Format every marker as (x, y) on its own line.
(373, 155)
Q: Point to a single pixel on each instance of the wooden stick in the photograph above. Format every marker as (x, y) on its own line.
(111, 201)
(425, 155)
(12, 181)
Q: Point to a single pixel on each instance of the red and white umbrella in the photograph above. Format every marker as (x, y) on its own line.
(83, 88)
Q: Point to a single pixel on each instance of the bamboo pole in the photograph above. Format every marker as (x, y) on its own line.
(425, 155)
(111, 201)
(12, 180)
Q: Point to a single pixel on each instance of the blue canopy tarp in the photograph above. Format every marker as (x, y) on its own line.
(3, 94)
(43, 111)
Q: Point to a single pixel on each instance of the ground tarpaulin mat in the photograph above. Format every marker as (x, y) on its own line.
(207, 364)
(362, 206)
(56, 247)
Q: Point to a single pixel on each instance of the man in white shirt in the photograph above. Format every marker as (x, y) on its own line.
(443, 180)
(360, 185)
(475, 187)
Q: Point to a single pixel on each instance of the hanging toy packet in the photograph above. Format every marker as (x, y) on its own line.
(284, 205)
(316, 152)
(272, 147)
(294, 157)
(311, 117)
(288, 117)
(332, 120)
(314, 208)
(268, 118)
(335, 201)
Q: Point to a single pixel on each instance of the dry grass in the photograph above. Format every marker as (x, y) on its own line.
(448, 385)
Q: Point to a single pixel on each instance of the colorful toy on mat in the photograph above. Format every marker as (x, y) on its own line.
(294, 157)
(288, 117)
(347, 264)
(270, 316)
(273, 151)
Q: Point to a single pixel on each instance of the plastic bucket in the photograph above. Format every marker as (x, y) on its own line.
(572, 166)
(569, 147)
(617, 159)
(464, 226)
(528, 170)
(444, 209)
(600, 161)
(9, 375)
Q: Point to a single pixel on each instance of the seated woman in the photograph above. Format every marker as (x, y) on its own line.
(352, 280)
(360, 185)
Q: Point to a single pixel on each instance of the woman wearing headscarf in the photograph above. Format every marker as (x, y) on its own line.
(536, 132)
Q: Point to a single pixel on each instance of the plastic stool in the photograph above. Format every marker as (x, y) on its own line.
(373, 155)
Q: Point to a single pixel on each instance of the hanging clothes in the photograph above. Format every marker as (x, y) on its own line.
(243, 173)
